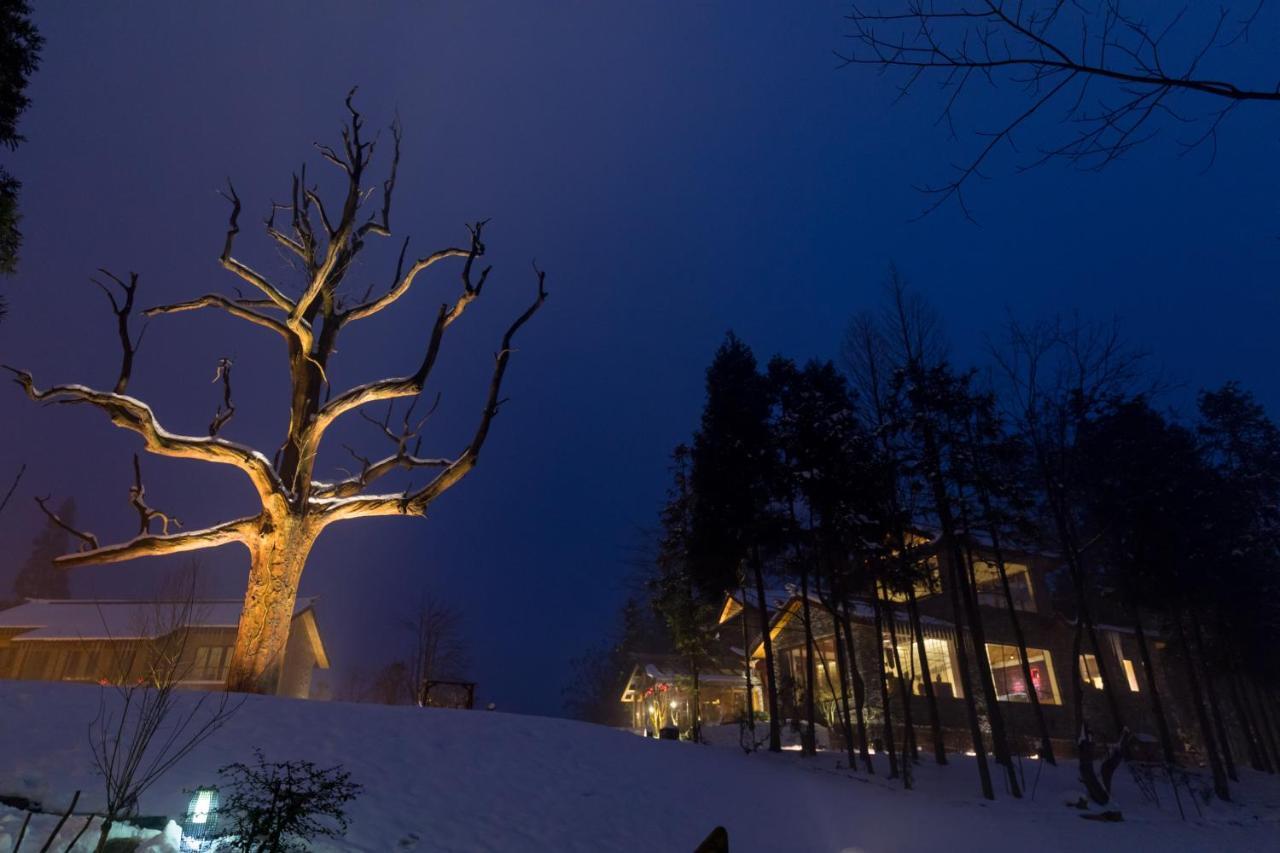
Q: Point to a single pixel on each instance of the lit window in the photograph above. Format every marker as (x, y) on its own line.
(926, 586)
(1089, 671)
(1131, 676)
(991, 588)
(938, 654)
(1010, 681)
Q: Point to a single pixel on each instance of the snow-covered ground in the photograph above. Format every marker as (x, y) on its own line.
(483, 781)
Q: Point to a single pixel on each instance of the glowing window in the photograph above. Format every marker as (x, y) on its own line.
(1011, 682)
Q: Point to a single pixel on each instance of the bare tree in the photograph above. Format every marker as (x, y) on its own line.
(296, 506)
(439, 650)
(145, 725)
(1108, 76)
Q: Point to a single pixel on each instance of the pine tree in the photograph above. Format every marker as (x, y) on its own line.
(679, 593)
(733, 527)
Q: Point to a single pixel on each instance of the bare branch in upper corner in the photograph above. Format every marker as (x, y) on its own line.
(1114, 78)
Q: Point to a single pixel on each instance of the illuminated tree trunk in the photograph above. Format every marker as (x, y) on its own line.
(274, 573)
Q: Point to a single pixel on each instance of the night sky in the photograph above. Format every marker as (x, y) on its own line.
(679, 169)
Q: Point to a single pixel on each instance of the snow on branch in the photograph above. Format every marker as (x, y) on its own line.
(134, 415)
(149, 545)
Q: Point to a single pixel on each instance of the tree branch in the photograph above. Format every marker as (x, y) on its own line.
(230, 263)
(90, 541)
(13, 487)
(137, 498)
(1024, 44)
(236, 308)
(407, 386)
(122, 310)
(226, 409)
(134, 415)
(416, 503)
(147, 545)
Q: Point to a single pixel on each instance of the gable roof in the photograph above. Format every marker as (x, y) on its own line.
(115, 619)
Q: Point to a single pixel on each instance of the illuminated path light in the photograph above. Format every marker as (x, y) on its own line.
(199, 826)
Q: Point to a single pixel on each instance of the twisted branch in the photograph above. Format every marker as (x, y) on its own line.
(137, 498)
(226, 409)
(123, 309)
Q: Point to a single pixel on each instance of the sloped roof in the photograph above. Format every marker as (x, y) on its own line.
(115, 619)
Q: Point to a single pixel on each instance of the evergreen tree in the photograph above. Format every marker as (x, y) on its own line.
(38, 577)
(734, 530)
(20, 45)
(679, 594)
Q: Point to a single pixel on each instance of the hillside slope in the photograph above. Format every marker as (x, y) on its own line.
(481, 781)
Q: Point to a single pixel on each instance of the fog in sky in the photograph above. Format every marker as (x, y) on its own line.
(679, 170)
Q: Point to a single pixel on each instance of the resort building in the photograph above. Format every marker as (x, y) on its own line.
(115, 641)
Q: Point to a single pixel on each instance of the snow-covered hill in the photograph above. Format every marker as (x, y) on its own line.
(483, 781)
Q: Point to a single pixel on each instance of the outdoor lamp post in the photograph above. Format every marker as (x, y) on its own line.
(200, 824)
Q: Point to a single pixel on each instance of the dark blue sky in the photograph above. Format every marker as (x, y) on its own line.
(679, 169)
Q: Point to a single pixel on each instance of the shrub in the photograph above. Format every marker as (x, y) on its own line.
(278, 806)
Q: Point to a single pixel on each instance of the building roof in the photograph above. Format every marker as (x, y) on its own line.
(116, 619)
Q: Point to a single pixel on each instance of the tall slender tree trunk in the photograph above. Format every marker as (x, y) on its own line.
(1046, 748)
(1220, 786)
(1046, 745)
(999, 737)
(276, 564)
(771, 674)
(1270, 736)
(746, 669)
(809, 741)
(695, 720)
(1211, 693)
(885, 709)
(1153, 691)
(993, 529)
(966, 684)
(1258, 758)
(842, 694)
(904, 680)
(1084, 619)
(859, 687)
(909, 752)
(942, 503)
(930, 698)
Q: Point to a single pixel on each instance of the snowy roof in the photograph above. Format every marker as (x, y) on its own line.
(82, 619)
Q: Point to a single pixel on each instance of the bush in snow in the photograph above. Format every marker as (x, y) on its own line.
(278, 806)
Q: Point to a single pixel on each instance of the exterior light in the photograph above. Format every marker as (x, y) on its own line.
(200, 824)
(673, 703)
